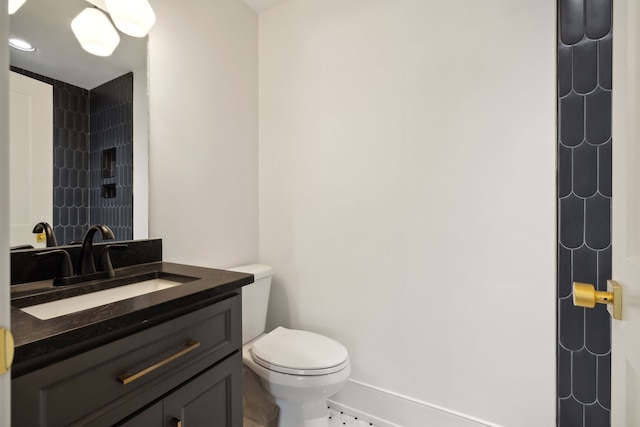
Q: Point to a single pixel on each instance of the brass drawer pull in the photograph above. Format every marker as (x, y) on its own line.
(127, 378)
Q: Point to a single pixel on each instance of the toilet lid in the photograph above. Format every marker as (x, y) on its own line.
(297, 352)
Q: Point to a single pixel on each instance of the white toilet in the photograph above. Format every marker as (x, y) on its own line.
(299, 369)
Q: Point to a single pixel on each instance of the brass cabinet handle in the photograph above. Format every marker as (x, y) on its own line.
(178, 422)
(127, 378)
(585, 295)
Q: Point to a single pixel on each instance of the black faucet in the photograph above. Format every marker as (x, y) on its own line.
(105, 259)
(86, 253)
(66, 267)
(44, 227)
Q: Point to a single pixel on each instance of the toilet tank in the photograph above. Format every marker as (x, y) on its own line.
(255, 300)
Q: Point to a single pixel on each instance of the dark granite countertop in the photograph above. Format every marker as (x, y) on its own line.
(42, 342)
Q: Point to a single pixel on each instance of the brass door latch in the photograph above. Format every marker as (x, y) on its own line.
(6, 350)
(585, 295)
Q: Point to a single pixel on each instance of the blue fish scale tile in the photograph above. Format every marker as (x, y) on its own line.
(112, 127)
(595, 415)
(565, 170)
(572, 108)
(58, 198)
(565, 275)
(63, 138)
(605, 59)
(78, 161)
(58, 118)
(72, 140)
(68, 198)
(58, 158)
(583, 364)
(598, 116)
(598, 340)
(585, 170)
(56, 179)
(571, 21)
(571, 325)
(597, 18)
(73, 178)
(604, 381)
(584, 208)
(604, 169)
(585, 66)
(570, 412)
(69, 120)
(64, 177)
(571, 221)
(73, 160)
(584, 265)
(68, 159)
(78, 197)
(564, 373)
(598, 222)
(565, 70)
(604, 268)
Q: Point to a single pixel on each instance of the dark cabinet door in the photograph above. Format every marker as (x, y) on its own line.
(152, 416)
(86, 390)
(213, 399)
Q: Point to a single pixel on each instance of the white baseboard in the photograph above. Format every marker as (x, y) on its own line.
(384, 408)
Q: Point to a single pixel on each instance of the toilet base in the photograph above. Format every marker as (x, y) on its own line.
(303, 414)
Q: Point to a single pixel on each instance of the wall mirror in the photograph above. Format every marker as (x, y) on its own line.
(68, 68)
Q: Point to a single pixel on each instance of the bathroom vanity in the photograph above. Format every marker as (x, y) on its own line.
(166, 358)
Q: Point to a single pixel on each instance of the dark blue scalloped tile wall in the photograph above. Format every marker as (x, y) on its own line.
(584, 209)
(112, 127)
(70, 158)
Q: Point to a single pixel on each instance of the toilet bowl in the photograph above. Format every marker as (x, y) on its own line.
(300, 369)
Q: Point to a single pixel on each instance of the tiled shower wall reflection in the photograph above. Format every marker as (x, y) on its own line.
(112, 128)
(584, 209)
(70, 158)
(84, 123)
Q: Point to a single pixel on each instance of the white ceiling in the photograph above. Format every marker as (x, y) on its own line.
(262, 5)
(47, 25)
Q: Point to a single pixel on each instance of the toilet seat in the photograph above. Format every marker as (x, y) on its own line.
(296, 352)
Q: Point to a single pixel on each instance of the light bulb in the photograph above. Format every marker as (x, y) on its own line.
(95, 33)
(132, 17)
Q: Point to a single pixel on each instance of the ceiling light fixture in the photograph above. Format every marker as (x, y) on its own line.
(95, 33)
(132, 17)
(14, 5)
(21, 45)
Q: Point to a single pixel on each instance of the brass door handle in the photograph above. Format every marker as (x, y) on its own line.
(127, 378)
(585, 295)
(7, 350)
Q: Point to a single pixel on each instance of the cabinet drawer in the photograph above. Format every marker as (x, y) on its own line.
(213, 398)
(127, 374)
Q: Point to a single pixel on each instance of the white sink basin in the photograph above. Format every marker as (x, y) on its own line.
(57, 308)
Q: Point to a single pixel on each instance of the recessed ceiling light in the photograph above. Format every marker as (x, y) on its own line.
(21, 45)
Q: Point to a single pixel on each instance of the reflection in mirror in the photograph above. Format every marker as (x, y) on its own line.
(100, 121)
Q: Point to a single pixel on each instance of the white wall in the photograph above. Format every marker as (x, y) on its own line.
(204, 131)
(5, 318)
(407, 194)
(141, 153)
